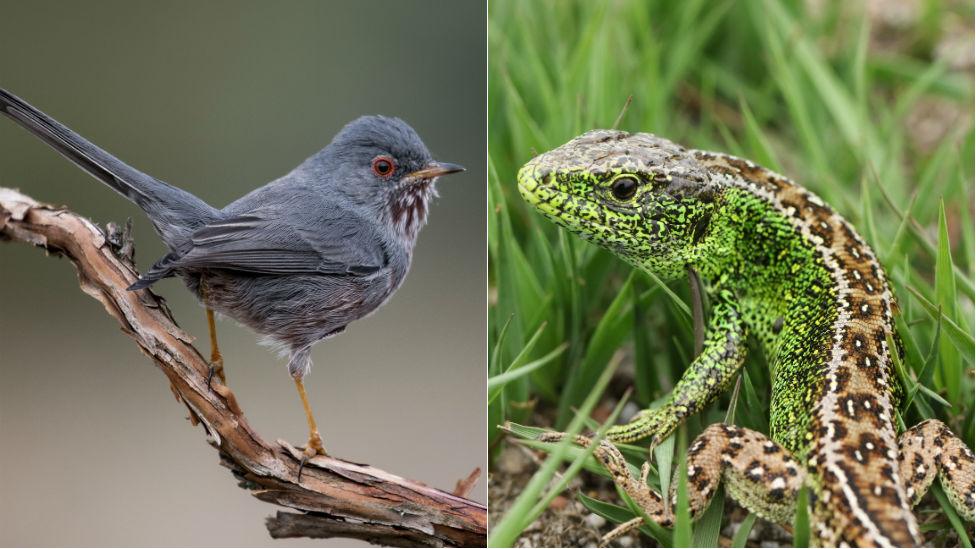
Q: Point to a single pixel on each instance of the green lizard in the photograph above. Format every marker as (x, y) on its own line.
(781, 266)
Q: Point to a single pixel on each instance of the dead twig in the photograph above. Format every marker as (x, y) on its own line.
(335, 497)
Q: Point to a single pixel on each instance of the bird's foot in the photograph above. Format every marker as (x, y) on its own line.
(216, 370)
(314, 445)
(313, 448)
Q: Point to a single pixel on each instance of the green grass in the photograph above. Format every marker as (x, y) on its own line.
(804, 94)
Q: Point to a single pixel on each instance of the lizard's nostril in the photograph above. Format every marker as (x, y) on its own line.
(541, 174)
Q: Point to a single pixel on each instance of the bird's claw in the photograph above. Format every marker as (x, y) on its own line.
(216, 370)
(312, 448)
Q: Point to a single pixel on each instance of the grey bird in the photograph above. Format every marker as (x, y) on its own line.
(295, 260)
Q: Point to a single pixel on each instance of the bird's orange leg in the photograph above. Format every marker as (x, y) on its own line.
(216, 359)
(314, 445)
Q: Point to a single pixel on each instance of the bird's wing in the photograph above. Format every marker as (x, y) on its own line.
(336, 242)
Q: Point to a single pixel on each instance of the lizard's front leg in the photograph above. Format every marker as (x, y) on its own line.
(759, 474)
(930, 448)
(707, 377)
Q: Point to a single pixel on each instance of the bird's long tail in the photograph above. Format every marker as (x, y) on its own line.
(173, 211)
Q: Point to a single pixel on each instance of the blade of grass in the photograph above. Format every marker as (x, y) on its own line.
(742, 534)
(519, 516)
(613, 513)
(801, 520)
(945, 294)
(950, 513)
(607, 337)
(682, 512)
(577, 463)
(709, 526)
(963, 341)
(498, 382)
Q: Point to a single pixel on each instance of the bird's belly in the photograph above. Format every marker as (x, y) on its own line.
(294, 310)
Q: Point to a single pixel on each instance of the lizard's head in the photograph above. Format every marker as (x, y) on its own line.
(640, 196)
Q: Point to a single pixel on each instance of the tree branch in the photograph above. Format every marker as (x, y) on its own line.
(335, 497)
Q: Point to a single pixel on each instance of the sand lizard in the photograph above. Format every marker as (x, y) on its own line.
(780, 265)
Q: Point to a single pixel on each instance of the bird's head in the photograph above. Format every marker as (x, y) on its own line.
(381, 163)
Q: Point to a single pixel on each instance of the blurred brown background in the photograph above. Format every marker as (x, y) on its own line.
(219, 98)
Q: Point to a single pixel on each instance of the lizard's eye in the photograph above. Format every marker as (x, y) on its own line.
(624, 188)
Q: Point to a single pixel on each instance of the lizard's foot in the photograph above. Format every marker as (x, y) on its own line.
(757, 472)
(556, 436)
(655, 424)
(635, 487)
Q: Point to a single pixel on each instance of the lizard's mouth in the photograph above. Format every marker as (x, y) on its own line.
(548, 200)
(580, 215)
(530, 189)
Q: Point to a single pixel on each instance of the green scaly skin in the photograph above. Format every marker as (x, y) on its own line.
(781, 266)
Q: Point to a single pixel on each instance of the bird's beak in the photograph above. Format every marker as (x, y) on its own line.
(436, 169)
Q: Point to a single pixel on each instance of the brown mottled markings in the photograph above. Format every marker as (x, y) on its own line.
(824, 232)
(857, 344)
(773, 183)
(857, 400)
(929, 449)
(792, 209)
(841, 379)
(860, 308)
(816, 211)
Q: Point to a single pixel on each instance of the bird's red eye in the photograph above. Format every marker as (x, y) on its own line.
(383, 166)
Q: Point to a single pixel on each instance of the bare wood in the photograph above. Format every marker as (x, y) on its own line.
(463, 486)
(335, 497)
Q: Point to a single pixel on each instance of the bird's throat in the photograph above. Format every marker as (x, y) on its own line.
(408, 210)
